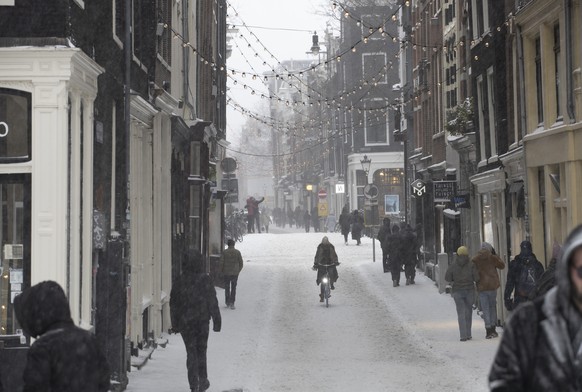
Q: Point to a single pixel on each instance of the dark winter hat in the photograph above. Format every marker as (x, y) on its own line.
(487, 246)
(230, 242)
(526, 248)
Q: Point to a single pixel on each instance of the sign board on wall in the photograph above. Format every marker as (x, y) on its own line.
(340, 188)
(444, 191)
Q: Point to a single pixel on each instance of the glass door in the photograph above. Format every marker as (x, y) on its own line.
(15, 229)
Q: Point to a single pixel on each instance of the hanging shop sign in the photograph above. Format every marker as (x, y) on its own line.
(418, 187)
(444, 191)
(461, 201)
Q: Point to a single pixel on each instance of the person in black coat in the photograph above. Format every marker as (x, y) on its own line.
(345, 221)
(395, 254)
(382, 237)
(193, 303)
(64, 357)
(524, 272)
(541, 345)
(306, 220)
(409, 252)
(357, 226)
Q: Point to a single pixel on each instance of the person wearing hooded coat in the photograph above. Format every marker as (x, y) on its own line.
(382, 236)
(487, 263)
(193, 303)
(64, 357)
(394, 247)
(345, 221)
(463, 275)
(541, 346)
(325, 256)
(524, 272)
(357, 226)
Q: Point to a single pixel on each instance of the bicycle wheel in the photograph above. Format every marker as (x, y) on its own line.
(327, 295)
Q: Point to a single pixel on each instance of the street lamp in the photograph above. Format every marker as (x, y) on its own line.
(366, 162)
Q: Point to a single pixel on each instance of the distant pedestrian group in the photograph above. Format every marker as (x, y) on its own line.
(399, 246)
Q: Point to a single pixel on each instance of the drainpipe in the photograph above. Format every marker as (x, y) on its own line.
(127, 96)
(569, 70)
(185, 54)
(523, 117)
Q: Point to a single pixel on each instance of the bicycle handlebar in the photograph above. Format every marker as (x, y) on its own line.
(328, 265)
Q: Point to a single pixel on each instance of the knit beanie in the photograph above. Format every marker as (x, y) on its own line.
(463, 251)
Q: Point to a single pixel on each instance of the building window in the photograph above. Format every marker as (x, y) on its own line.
(376, 125)
(372, 22)
(491, 111)
(481, 115)
(374, 68)
(15, 126)
(557, 69)
(539, 87)
(164, 41)
(480, 18)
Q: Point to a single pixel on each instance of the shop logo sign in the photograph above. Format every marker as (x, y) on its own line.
(3, 129)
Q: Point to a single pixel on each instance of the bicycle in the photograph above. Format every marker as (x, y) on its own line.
(326, 283)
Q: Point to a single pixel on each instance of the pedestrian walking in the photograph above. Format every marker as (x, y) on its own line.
(409, 252)
(330, 222)
(315, 219)
(487, 264)
(541, 346)
(548, 278)
(382, 237)
(64, 357)
(463, 275)
(394, 243)
(524, 272)
(357, 226)
(306, 220)
(257, 213)
(230, 265)
(193, 303)
(345, 222)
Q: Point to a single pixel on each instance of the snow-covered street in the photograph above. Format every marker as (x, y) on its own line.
(373, 337)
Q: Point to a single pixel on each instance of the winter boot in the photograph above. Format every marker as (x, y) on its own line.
(320, 297)
(407, 281)
(488, 333)
(203, 384)
(395, 283)
(494, 333)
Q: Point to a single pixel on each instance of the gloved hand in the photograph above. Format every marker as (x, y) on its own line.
(216, 324)
(314, 267)
(509, 303)
(173, 330)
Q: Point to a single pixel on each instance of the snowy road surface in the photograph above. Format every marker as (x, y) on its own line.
(373, 337)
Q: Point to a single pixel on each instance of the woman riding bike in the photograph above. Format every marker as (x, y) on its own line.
(325, 260)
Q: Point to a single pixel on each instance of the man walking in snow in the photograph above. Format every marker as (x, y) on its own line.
(192, 304)
(231, 263)
(541, 346)
(487, 263)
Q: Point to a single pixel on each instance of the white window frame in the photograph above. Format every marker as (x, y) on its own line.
(80, 3)
(365, 29)
(370, 54)
(491, 109)
(366, 143)
(485, 10)
(117, 40)
(7, 3)
(480, 115)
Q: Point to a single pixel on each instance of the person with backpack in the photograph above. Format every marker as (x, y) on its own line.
(383, 234)
(524, 272)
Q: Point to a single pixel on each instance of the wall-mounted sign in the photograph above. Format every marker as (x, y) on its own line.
(340, 188)
(418, 187)
(461, 201)
(444, 191)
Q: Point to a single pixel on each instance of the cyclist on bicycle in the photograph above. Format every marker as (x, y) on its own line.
(325, 258)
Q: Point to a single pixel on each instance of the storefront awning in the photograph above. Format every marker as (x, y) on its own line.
(515, 187)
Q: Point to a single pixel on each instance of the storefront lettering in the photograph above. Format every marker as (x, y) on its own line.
(3, 129)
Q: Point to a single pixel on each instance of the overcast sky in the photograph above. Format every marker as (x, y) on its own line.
(276, 23)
